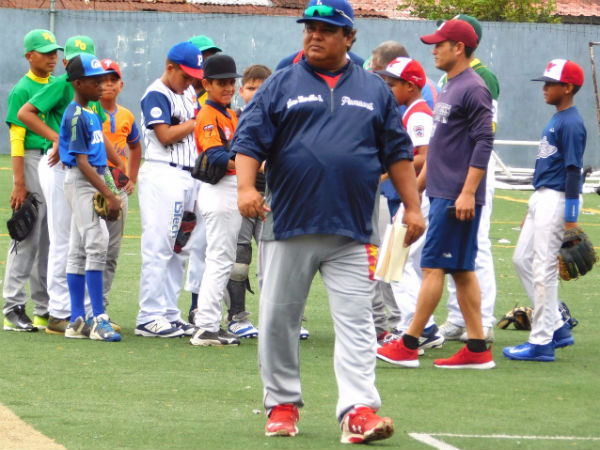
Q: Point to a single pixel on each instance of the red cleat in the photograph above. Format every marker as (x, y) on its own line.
(395, 352)
(363, 425)
(282, 421)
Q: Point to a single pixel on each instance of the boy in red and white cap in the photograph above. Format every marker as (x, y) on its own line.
(553, 208)
(120, 128)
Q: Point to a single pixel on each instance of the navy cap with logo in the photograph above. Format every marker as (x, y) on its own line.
(334, 12)
(189, 58)
(84, 65)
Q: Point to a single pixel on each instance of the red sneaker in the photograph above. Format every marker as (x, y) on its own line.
(282, 421)
(465, 359)
(395, 352)
(363, 425)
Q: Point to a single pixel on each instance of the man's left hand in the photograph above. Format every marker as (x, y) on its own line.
(465, 207)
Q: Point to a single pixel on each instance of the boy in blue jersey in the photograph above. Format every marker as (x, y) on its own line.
(81, 148)
(553, 208)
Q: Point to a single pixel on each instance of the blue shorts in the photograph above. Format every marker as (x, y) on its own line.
(450, 244)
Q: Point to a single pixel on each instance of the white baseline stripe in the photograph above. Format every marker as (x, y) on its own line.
(433, 442)
(512, 436)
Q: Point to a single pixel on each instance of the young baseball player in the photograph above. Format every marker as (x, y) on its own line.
(167, 190)
(51, 103)
(30, 260)
(457, 158)
(237, 317)
(215, 125)
(553, 208)
(123, 133)
(81, 147)
(406, 78)
(318, 124)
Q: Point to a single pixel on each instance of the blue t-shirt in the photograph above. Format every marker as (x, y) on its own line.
(325, 148)
(462, 136)
(81, 133)
(563, 143)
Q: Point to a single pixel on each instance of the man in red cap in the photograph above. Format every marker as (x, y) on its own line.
(458, 154)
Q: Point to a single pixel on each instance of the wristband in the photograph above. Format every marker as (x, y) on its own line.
(571, 209)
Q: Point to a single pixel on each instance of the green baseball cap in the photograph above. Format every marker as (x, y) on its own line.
(474, 23)
(42, 41)
(77, 45)
(204, 43)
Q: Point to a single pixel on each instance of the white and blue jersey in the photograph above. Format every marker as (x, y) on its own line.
(161, 105)
(81, 133)
(562, 145)
(325, 148)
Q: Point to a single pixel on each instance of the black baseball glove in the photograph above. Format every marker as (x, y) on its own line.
(577, 255)
(22, 221)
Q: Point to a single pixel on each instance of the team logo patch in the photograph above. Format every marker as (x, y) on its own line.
(208, 130)
(419, 131)
(156, 112)
(372, 251)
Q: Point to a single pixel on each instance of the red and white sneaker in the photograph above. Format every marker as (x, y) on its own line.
(363, 425)
(395, 352)
(465, 359)
(282, 421)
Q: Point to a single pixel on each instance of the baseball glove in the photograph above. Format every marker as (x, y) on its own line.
(101, 207)
(119, 177)
(577, 255)
(519, 316)
(188, 222)
(22, 221)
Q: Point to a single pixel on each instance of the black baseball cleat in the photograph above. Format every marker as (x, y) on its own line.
(16, 320)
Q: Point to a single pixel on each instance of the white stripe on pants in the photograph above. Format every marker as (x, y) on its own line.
(289, 267)
(222, 219)
(535, 260)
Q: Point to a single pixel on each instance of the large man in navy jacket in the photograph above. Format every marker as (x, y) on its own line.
(327, 130)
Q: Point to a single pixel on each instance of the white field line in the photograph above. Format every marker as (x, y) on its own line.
(428, 438)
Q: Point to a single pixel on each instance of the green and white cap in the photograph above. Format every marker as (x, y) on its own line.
(42, 41)
(76, 45)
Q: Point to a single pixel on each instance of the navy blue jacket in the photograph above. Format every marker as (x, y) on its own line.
(325, 148)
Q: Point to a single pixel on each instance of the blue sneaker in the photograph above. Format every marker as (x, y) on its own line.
(431, 338)
(530, 352)
(563, 337)
(102, 330)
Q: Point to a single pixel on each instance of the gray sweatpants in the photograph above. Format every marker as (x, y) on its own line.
(28, 260)
(288, 268)
(89, 236)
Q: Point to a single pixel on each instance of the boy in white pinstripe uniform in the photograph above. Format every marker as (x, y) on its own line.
(167, 190)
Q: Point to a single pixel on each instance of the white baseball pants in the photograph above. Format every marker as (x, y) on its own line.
(535, 260)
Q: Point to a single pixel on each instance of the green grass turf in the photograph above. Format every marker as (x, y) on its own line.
(165, 394)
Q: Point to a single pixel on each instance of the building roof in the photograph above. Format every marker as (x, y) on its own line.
(362, 8)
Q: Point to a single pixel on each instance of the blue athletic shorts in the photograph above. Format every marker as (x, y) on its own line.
(450, 244)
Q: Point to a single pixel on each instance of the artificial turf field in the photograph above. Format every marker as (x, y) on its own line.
(146, 393)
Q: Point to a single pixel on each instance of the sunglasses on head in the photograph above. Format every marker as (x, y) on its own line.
(325, 11)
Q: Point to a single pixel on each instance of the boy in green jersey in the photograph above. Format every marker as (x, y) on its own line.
(27, 260)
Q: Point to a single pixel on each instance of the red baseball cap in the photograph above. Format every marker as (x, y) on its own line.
(112, 66)
(405, 69)
(562, 71)
(453, 30)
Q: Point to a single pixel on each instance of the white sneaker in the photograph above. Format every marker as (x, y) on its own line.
(158, 328)
(304, 333)
(242, 329)
(488, 333)
(451, 332)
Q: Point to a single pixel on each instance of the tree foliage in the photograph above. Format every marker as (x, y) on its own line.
(486, 10)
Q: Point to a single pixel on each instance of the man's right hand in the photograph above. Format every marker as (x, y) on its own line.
(251, 203)
(17, 196)
(113, 204)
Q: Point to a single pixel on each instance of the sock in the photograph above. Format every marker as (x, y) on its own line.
(194, 304)
(476, 345)
(93, 279)
(410, 342)
(76, 285)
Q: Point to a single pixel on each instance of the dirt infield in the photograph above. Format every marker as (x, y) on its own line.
(17, 435)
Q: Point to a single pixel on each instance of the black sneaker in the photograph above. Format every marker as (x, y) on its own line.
(16, 320)
(205, 338)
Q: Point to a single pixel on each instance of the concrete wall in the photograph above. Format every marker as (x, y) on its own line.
(140, 41)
